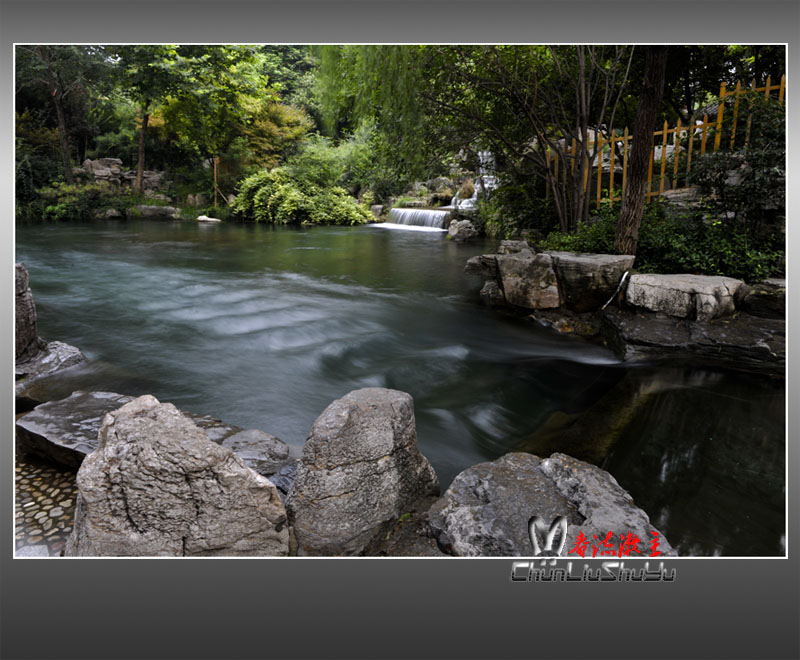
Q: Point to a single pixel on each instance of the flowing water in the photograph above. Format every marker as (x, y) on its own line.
(263, 327)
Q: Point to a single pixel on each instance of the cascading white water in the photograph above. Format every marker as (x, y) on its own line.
(433, 218)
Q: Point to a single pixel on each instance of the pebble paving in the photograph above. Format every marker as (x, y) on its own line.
(44, 507)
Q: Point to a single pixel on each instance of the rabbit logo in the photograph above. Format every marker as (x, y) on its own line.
(545, 549)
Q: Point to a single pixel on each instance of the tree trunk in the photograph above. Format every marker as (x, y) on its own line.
(62, 137)
(142, 133)
(630, 217)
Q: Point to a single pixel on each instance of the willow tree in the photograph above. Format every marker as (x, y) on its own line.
(521, 102)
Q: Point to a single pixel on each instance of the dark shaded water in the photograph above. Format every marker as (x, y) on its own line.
(264, 327)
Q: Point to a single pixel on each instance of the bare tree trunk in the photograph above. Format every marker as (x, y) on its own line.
(142, 133)
(630, 217)
(62, 137)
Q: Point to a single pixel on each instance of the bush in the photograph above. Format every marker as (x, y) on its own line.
(683, 244)
(511, 210)
(280, 196)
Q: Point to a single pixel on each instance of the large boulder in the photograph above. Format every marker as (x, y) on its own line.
(588, 281)
(461, 231)
(696, 297)
(27, 341)
(484, 265)
(487, 509)
(741, 341)
(528, 280)
(66, 431)
(766, 299)
(157, 486)
(360, 469)
(149, 211)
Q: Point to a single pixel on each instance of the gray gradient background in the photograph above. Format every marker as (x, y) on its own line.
(364, 608)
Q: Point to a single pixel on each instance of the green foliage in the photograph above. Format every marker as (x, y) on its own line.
(688, 244)
(513, 209)
(64, 202)
(37, 157)
(748, 186)
(305, 190)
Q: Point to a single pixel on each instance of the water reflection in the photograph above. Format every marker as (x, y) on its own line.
(264, 327)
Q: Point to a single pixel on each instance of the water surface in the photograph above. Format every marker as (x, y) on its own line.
(264, 327)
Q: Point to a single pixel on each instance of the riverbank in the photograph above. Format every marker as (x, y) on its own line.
(300, 317)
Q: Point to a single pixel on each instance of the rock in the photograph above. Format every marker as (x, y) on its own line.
(157, 211)
(528, 280)
(56, 356)
(587, 281)
(198, 199)
(742, 341)
(111, 214)
(461, 230)
(699, 297)
(440, 184)
(566, 322)
(152, 194)
(408, 536)
(27, 341)
(766, 299)
(376, 210)
(486, 510)
(261, 452)
(491, 294)
(484, 265)
(205, 218)
(514, 247)
(284, 479)
(156, 486)
(32, 551)
(66, 431)
(360, 468)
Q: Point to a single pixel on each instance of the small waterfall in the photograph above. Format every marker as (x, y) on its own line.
(433, 218)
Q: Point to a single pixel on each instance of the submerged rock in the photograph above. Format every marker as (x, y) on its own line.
(487, 509)
(157, 486)
(700, 297)
(360, 469)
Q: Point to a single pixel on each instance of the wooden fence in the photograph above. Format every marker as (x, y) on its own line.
(666, 142)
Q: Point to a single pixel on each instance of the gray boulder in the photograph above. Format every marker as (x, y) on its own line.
(261, 452)
(66, 431)
(156, 486)
(157, 211)
(766, 299)
(587, 281)
(699, 297)
(484, 265)
(491, 294)
(360, 468)
(513, 247)
(528, 280)
(27, 341)
(461, 231)
(487, 509)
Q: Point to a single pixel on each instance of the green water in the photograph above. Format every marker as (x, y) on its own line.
(264, 327)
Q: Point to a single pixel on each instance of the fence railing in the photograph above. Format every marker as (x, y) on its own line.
(610, 164)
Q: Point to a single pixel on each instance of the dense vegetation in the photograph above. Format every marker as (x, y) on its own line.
(297, 134)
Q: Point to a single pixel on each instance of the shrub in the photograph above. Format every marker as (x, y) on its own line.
(680, 244)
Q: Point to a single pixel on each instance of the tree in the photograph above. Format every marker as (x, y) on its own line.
(64, 72)
(630, 217)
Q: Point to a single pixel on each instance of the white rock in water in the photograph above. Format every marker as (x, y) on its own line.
(205, 218)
